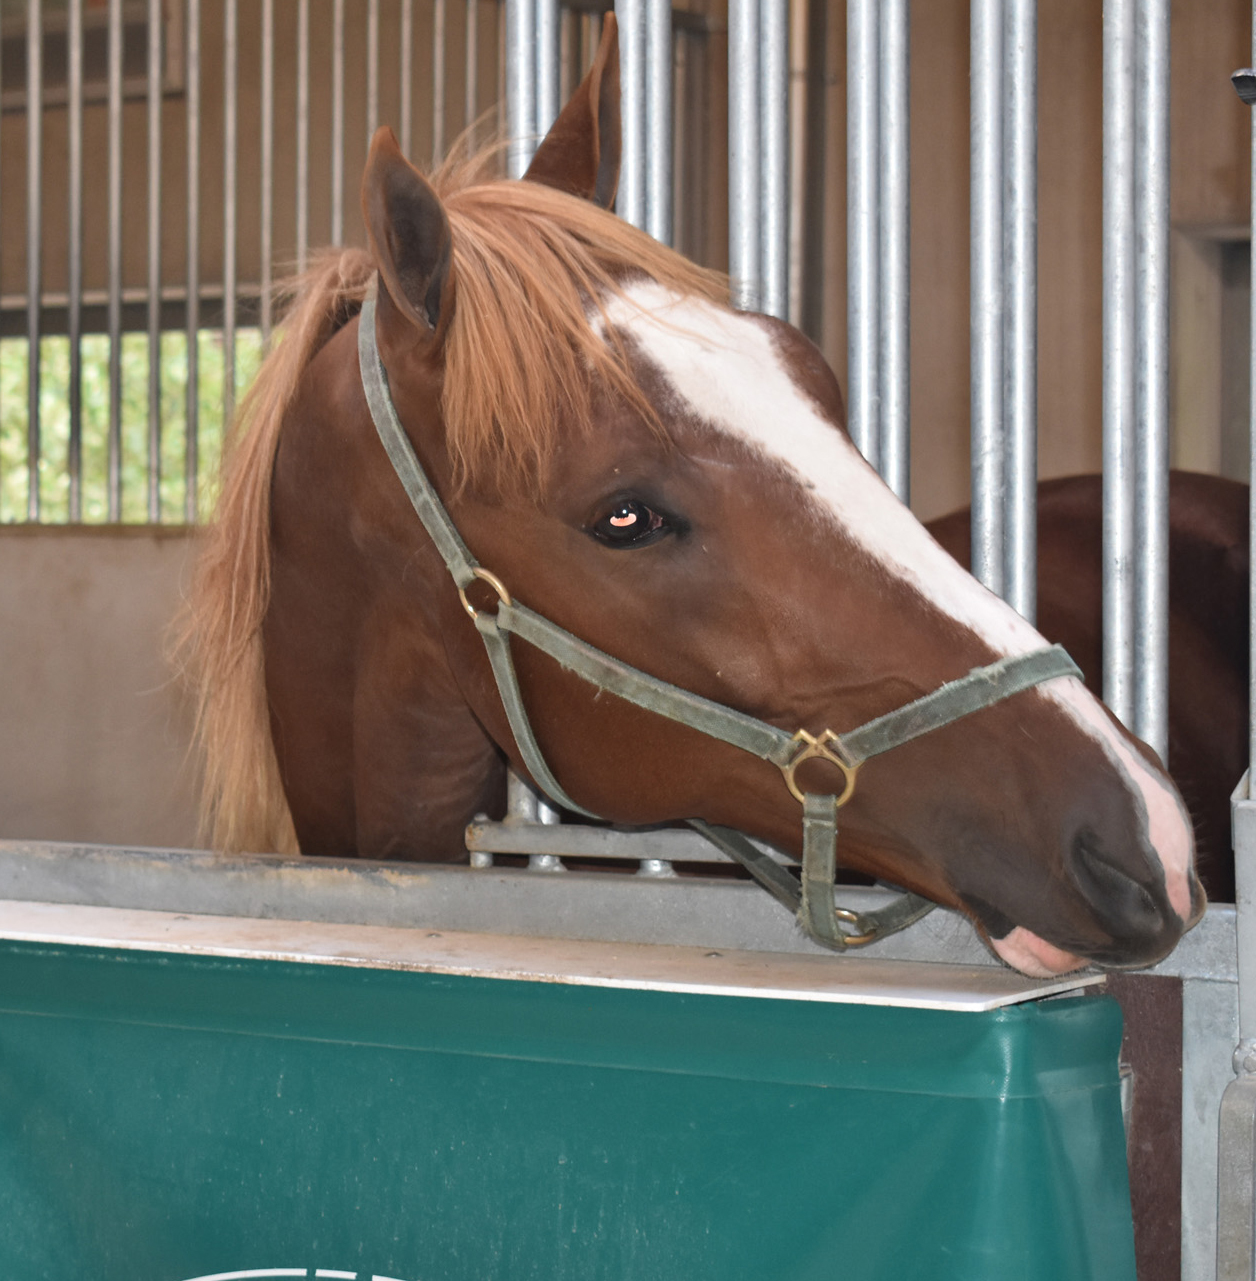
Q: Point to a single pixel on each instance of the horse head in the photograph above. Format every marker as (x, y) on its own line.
(671, 482)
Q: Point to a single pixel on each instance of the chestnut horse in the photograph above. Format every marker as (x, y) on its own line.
(1208, 652)
(670, 481)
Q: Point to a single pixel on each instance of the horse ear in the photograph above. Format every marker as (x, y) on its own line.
(408, 233)
(580, 154)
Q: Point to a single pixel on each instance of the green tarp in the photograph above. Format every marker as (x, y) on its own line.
(166, 1117)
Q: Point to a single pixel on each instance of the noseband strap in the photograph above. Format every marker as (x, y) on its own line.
(811, 897)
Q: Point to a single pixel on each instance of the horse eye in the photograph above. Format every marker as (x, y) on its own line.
(630, 523)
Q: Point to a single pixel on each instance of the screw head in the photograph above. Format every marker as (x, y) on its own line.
(1245, 1058)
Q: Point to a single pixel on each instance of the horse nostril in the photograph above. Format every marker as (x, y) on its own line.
(1123, 899)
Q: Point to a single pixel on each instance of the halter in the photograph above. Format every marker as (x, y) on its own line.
(810, 897)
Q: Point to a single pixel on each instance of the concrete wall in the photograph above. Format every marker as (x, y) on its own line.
(93, 731)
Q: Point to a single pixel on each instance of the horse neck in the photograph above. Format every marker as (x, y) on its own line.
(378, 752)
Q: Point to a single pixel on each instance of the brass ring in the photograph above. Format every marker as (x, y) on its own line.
(820, 747)
(485, 576)
(868, 931)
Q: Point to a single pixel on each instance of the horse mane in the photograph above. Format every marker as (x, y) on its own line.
(217, 637)
(532, 270)
(530, 340)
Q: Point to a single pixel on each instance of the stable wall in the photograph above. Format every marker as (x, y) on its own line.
(94, 732)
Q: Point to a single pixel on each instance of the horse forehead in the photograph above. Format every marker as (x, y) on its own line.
(730, 373)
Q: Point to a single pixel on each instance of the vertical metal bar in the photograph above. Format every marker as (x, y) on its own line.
(774, 141)
(894, 363)
(471, 106)
(372, 68)
(548, 64)
(1251, 428)
(230, 46)
(1151, 361)
(303, 133)
(154, 260)
(338, 123)
(74, 310)
(1118, 341)
(631, 200)
(744, 149)
(659, 125)
(503, 73)
(986, 142)
(525, 805)
(438, 79)
(520, 53)
(34, 242)
(863, 215)
(114, 112)
(192, 95)
(1020, 265)
(1, 455)
(800, 61)
(406, 105)
(266, 247)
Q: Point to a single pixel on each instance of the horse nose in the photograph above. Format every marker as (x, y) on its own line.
(1125, 889)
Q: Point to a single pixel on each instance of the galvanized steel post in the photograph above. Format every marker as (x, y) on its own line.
(266, 238)
(862, 219)
(878, 240)
(1151, 386)
(894, 246)
(405, 105)
(192, 97)
(658, 119)
(154, 260)
(338, 122)
(1020, 301)
(303, 133)
(744, 208)
(34, 242)
(230, 26)
(74, 316)
(986, 269)
(1004, 299)
(758, 155)
(1135, 365)
(548, 66)
(533, 58)
(1236, 1122)
(520, 55)
(114, 116)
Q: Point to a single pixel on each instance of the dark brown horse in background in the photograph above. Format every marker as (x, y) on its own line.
(1208, 649)
(671, 482)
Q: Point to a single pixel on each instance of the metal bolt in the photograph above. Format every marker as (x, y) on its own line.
(1245, 1058)
(1244, 83)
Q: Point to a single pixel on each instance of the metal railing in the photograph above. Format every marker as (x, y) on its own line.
(221, 142)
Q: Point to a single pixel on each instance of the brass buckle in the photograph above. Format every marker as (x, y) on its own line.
(485, 576)
(808, 746)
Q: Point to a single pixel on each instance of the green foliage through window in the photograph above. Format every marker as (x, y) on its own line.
(54, 413)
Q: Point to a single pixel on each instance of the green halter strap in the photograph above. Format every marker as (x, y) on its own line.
(812, 897)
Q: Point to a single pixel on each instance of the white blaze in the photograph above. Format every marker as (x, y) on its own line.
(726, 367)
